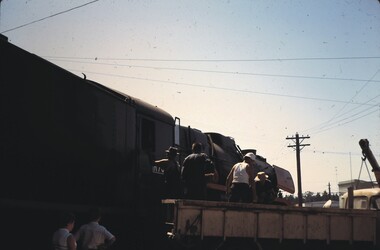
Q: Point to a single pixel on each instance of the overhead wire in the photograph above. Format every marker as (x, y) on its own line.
(229, 72)
(219, 60)
(351, 110)
(50, 16)
(352, 120)
(330, 123)
(356, 94)
(320, 126)
(219, 88)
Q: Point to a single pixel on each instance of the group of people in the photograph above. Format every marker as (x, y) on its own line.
(189, 180)
(245, 183)
(90, 236)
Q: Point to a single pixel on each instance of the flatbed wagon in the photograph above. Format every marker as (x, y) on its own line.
(192, 221)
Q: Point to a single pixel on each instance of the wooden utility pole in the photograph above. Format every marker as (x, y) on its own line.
(298, 147)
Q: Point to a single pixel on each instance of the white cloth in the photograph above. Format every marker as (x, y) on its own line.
(60, 239)
(240, 174)
(92, 235)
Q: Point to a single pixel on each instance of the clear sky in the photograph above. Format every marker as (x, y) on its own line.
(258, 71)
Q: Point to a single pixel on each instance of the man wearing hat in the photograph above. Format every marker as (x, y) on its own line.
(240, 180)
(264, 188)
(172, 173)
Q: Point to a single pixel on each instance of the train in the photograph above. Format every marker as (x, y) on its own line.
(68, 143)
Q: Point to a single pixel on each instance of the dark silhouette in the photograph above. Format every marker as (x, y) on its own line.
(196, 167)
(171, 172)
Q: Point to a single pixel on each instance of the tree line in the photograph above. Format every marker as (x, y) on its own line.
(311, 197)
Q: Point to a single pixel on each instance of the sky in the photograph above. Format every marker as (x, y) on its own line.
(257, 71)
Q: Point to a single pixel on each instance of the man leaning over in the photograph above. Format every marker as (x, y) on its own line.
(240, 181)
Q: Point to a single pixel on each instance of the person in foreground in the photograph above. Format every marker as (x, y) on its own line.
(92, 235)
(62, 238)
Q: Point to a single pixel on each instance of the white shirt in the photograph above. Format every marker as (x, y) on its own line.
(60, 239)
(92, 235)
(240, 174)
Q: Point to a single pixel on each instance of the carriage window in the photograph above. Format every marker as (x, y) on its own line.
(147, 145)
(147, 135)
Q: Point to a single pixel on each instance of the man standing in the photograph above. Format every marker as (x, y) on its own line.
(195, 168)
(171, 172)
(240, 180)
(92, 235)
(62, 238)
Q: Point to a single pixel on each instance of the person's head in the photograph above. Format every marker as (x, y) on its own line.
(67, 220)
(172, 152)
(94, 214)
(250, 157)
(196, 147)
(262, 176)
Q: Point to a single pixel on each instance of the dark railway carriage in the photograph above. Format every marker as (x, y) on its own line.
(67, 143)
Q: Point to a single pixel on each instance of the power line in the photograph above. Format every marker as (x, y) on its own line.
(221, 60)
(231, 72)
(352, 98)
(39, 20)
(220, 88)
(328, 123)
(370, 113)
(351, 110)
(341, 124)
(346, 118)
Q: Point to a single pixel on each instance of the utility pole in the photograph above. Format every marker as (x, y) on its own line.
(298, 147)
